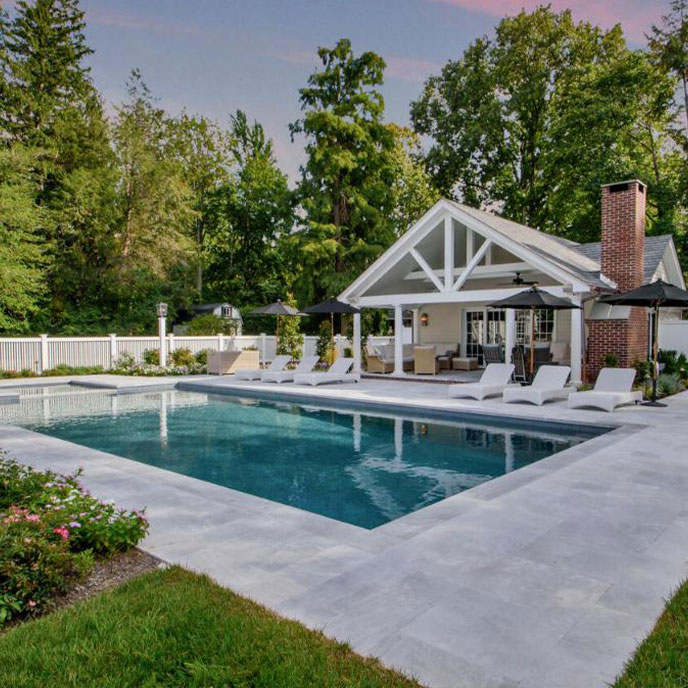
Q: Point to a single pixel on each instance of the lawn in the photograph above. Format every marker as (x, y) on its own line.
(175, 628)
(661, 661)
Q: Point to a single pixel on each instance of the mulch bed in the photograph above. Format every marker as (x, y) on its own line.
(109, 573)
(106, 574)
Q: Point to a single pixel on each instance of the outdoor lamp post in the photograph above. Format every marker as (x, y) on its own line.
(162, 315)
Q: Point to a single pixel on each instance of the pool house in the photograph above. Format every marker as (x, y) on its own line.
(443, 273)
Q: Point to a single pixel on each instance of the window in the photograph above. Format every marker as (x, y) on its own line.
(226, 311)
(544, 326)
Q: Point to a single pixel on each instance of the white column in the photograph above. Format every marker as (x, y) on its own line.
(577, 341)
(510, 339)
(220, 341)
(44, 363)
(170, 343)
(161, 341)
(398, 340)
(113, 350)
(263, 348)
(416, 325)
(356, 344)
(448, 254)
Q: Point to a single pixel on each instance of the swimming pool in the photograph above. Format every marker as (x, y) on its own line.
(364, 467)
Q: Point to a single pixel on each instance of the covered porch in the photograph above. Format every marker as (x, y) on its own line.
(439, 278)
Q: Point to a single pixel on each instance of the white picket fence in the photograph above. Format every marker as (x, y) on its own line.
(44, 352)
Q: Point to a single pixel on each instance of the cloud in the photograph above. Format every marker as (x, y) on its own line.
(136, 22)
(409, 69)
(636, 16)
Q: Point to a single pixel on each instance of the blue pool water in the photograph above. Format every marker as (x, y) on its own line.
(363, 468)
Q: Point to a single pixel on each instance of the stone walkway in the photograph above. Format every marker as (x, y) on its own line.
(546, 577)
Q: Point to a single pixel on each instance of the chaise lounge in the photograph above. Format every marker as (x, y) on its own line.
(338, 372)
(548, 384)
(613, 388)
(278, 363)
(305, 366)
(494, 380)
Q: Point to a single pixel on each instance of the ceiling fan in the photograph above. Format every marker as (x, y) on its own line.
(518, 281)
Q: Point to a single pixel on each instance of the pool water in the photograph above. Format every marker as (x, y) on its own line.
(364, 468)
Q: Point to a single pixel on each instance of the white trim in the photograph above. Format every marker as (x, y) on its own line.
(476, 296)
(480, 271)
(448, 252)
(395, 253)
(428, 223)
(426, 268)
(474, 262)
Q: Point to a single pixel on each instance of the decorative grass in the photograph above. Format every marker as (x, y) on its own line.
(175, 628)
(661, 660)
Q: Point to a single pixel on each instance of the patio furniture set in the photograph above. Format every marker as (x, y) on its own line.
(614, 387)
(424, 359)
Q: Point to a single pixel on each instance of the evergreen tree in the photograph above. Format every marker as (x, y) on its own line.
(345, 190)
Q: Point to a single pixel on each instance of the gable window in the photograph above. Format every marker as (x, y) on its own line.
(226, 311)
(544, 326)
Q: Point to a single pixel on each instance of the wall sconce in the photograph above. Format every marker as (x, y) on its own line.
(424, 319)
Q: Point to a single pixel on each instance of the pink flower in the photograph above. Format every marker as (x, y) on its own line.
(32, 603)
(33, 517)
(62, 532)
(75, 524)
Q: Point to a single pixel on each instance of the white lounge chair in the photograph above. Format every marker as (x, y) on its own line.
(493, 381)
(305, 366)
(548, 384)
(338, 372)
(612, 388)
(278, 363)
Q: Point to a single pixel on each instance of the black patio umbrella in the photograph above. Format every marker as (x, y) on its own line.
(658, 294)
(534, 299)
(331, 306)
(279, 309)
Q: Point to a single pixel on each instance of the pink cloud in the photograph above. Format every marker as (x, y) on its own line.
(405, 68)
(136, 22)
(636, 16)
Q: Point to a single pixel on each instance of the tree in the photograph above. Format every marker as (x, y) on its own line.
(534, 120)
(413, 192)
(156, 201)
(22, 264)
(669, 45)
(205, 156)
(345, 187)
(43, 49)
(289, 337)
(248, 216)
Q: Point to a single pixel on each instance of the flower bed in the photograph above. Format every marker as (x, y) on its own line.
(51, 529)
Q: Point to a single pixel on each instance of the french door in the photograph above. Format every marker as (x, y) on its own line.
(482, 326)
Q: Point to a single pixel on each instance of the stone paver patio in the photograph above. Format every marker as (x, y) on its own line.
(545, 577)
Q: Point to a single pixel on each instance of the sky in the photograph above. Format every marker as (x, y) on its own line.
(215, 56)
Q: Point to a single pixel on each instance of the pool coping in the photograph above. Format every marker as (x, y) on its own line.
(257, 547)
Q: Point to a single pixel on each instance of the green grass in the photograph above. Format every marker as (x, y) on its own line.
(661, 661)
(175, 628)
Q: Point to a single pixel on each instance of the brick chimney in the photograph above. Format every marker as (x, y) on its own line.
(621, 331)
(623, 233)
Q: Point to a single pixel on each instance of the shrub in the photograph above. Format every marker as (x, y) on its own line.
(206, 325)
(610, 360)
(201, 357)
(12, 374)
(151, 357)
(125, 360)
(642, 371)
(674, 363)
(289, 337)
(323, 347)
(182, 357)
(668, 384)
(50, 528)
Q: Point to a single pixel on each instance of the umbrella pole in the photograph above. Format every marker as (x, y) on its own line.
(532, 341)
(655, 357)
